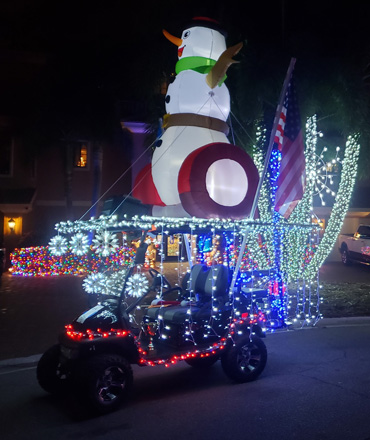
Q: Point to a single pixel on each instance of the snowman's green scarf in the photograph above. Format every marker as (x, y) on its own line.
(198, 64)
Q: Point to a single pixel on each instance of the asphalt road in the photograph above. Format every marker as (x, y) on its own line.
(316, 386)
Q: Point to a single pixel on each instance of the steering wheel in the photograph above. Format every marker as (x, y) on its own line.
(154, 274)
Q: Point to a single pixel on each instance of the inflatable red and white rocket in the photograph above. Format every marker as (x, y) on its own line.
(195, 171)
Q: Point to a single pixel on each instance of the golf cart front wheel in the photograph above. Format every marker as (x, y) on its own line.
(245, 360)
(106, 381)
(51, 375)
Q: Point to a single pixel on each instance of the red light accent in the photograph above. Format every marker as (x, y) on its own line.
(245, 315)
(91, 334)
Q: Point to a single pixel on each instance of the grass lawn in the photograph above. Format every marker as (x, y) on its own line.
(345, 299)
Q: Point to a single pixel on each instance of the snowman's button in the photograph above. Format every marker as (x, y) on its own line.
(168, 99)
(158, 143)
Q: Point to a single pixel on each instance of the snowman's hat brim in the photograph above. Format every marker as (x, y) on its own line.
(206, 22)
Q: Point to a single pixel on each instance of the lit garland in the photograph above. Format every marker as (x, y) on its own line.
(296, 239)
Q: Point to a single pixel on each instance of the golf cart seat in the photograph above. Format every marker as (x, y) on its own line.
(207, 287)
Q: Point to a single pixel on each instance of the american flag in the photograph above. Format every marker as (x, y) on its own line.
(289, 140)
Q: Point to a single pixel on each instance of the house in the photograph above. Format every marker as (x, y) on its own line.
(38, 192)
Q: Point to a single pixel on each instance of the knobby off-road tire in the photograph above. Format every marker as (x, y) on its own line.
(105, 381)
(245, 361)
(50, 374)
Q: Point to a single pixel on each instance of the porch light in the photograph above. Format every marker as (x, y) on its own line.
(11, 223)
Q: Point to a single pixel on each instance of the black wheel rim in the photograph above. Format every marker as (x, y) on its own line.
(60, 373)
(248, 358)
(111, 385)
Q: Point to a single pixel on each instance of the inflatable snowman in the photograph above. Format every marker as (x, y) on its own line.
(195, 171)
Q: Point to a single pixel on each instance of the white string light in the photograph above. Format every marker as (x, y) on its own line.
(58, 245)
(79, 244)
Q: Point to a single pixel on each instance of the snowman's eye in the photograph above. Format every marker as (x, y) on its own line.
(186, 34)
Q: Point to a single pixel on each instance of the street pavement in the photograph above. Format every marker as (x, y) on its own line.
(316, 385)
(33, 311)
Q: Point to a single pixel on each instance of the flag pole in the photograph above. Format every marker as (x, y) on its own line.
(272, 136)
(262, 177)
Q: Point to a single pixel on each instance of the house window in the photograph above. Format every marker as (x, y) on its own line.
(80, 155)
(6, 154)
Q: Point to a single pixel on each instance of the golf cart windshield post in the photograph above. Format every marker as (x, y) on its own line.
(139, 259)
(238, 262)
(188, 250)
(141, 250)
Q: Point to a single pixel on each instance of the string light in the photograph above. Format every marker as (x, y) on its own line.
(79, 244)
(137, 285)
(281, 257)
(58, 245)
(94, 283)
(38, 261)
(105, 243)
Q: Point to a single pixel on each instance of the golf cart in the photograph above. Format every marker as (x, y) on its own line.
(205, 319)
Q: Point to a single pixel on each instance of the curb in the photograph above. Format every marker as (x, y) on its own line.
(20, 362)
(344, 322)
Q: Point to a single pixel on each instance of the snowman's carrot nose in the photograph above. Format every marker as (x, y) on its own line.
(174, 40)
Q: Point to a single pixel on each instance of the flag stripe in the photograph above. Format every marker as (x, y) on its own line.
(289, 140)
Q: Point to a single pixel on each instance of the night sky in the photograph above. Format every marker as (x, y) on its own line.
(45, 25)
(129, 33)
(118, 45)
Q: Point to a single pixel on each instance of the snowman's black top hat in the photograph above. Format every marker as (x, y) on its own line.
(206, 22)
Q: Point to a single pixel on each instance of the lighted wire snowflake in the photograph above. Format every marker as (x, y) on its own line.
(95, 283)
(326, 172)
(105, 243)
(137, 284)
(115, 282)
(58, 245)
(79, 244)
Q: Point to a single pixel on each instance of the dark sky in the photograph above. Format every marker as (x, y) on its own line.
(44, 24)
(126, 36)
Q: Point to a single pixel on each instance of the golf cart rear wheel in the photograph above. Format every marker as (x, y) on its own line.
(245, 361)
(106, 380)
(50, 373)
